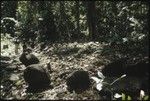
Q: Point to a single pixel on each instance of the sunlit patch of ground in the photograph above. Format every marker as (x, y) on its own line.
(8, 46)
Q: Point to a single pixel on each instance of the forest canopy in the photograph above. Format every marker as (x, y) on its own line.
(103, 21)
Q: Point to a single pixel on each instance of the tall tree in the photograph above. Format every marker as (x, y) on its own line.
(28, 23)
(77, 19)
(62, 24)
(91, 11)
(48, 23)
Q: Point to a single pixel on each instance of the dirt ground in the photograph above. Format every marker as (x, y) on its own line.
(64, 59)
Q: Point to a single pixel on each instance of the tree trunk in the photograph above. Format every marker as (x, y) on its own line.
(91, 20)
(50, 28)
(62, 23)
(77, 19)
(46, 24)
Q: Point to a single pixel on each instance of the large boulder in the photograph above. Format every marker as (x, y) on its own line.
(115, 69)
(37, 76)
(120, 67)
(78, 81)
(139, 69)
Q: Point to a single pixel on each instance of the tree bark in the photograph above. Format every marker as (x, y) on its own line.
(77, 19)
(91, 20)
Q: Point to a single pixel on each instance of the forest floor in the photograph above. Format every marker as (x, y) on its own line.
(64, 59)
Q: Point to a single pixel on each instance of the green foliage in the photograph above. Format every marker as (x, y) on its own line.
(8, 9)
(146, 98)
(129, 98)
(102, 85)
(68, 21)
(126, 97)
(123, 97)
(117, 19)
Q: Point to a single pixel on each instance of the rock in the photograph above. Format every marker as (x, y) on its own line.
(28, 59)
(37, 76)
(139, 69)
(78, 81)
(115, 68)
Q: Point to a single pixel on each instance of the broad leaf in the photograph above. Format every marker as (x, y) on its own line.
(99, 86)
(97, 80)
(117, 96)
(100, 75)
